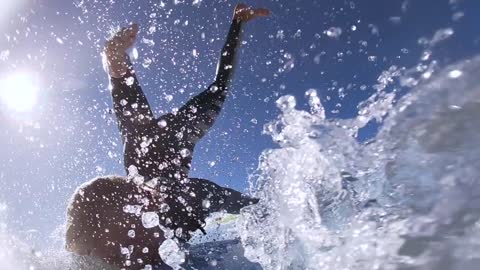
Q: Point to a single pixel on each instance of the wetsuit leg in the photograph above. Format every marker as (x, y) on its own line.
(199, 114)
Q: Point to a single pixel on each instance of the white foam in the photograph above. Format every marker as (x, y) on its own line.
(417, 186)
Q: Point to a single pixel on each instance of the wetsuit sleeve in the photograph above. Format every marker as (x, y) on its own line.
(129, 103)
(228, 55)
(200, 112)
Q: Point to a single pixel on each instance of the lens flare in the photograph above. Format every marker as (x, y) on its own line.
(19, 91)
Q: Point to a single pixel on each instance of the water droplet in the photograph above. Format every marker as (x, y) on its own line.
(178, 232)
(149, 42)
(289, 65)
(206, 204)
(315, 103)
(138, 180)
(162, 123)
(134, 54)
(213, 89)
(4, 55)
(334, 32)
(286, 103)
(374, 29)
(395, 19)
(152, 29)
(454, 74)
(171, 253)
(124, 251)
(132, 209)
(163, 208)
(185, 152)
(454, 107)
(457, 16)
(147, 62)
(129, 81)
(441, 35)
(280, 34)
(298, 34)
(150, 220)
(427, 75)
(197, 2)
(426, 55)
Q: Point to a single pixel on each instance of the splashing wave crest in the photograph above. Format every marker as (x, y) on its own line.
(408, 199)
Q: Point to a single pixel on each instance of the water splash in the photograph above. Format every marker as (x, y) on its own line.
(411, 201)
(407, 200)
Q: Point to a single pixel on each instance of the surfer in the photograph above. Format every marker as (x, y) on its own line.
(123, 220)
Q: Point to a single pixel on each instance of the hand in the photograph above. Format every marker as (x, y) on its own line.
(245, 13)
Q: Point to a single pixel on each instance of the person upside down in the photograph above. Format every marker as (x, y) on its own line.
(107, 215)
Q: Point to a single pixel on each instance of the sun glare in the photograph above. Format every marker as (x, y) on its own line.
(19, 91)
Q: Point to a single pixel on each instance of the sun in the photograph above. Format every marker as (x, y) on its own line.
(19, 91)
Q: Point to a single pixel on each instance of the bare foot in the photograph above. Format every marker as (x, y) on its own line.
(245, 13)
(115, 50)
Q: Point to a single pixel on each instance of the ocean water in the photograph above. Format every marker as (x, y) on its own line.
(407, 198)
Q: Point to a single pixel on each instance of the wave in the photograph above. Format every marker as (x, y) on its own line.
(407, 199)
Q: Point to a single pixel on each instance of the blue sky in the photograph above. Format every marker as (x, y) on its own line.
(70, 136)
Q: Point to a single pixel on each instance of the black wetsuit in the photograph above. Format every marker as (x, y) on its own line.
(162, 148)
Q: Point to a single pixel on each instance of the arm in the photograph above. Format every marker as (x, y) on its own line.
(200, 112)
(226, 63)
(241, 15)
